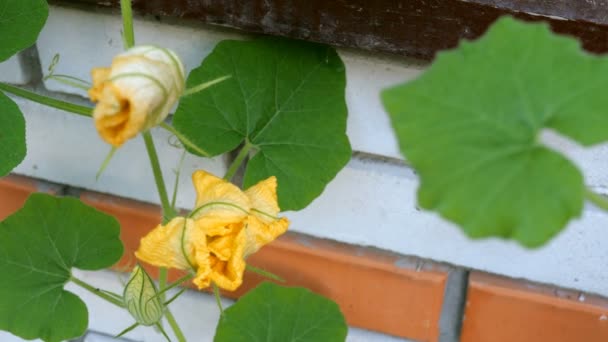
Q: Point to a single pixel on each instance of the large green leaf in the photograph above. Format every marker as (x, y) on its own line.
(470, 126)
(39, 246)
(274, 313)
(20, 24)
(12, 135)
(286, 98)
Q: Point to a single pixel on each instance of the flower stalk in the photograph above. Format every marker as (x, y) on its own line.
(127, 24)
(236, 163)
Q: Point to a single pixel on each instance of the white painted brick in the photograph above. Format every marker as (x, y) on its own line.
(11, 71)
(369, 126)
(196, 312)
(66, 148)
(374, 204)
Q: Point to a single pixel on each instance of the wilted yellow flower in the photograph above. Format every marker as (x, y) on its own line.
(227, 226)
(136, 92)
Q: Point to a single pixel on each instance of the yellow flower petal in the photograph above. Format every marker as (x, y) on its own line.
(177, 245)
(136, 92)
(263, 197)
(260, 233)
(218, 203)
(100, 76)
(228, 274)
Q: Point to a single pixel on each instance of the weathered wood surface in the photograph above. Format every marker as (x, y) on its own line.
(415, 28)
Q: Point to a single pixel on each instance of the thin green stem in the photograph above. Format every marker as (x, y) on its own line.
(162, 281)
(105, 162)
(70, 81)
(127, 24)
(168, 212)
(236, 163)
(600, 201)
(218, 299)
(204, 86)
(176, 184)
(129, 328)
(173, 323)
(98, 292)
(264, 273)
(162, 284)
(179, 293)
(48, 101)
(161, 293)
(184, 140)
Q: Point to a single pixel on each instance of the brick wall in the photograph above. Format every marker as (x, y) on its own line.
(371, 203)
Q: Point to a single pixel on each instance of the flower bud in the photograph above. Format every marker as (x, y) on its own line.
(141, 298)
(136, 93)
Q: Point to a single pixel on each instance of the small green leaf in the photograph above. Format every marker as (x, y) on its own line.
(20, 23)
(12, 135)
(39, 245)
(470, 126)
(284, 97)
(274, 313)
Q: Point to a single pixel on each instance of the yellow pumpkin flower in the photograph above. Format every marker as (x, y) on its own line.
(136, 92)
(226, 227)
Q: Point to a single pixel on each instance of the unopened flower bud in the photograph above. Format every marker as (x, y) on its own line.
(141, 298)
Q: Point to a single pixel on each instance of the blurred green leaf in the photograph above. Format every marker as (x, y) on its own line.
(470, 126)
(274, 313)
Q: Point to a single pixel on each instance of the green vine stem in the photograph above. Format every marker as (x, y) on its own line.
(264, 273)
(98, 292)
(127, 24)
(600, 201)
(218, 299)
(48, 101)
(168, 212)
(238, 160)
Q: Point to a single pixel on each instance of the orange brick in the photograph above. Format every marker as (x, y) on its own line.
(370, 287)
(505, 310)
(14, 190)
(374, 290)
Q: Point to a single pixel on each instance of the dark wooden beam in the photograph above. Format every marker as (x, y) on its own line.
(415, 28)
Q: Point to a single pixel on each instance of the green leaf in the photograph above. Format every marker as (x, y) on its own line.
(286, 98)
(20, 23)
(39, 245)
(470, 127)
(273, 313)
(12, 135)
